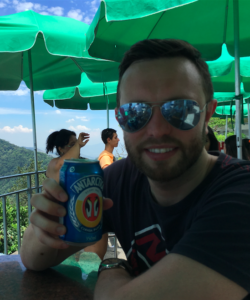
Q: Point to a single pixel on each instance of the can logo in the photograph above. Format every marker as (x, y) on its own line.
(85, 208)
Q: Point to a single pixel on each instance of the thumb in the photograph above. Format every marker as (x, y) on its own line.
(107, 203)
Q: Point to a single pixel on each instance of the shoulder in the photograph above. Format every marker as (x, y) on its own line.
(121, 170)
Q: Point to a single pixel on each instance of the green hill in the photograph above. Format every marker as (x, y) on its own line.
(12, 157)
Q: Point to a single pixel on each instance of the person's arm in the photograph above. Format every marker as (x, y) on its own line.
(175, 277)
(105, 161)
(74, 151)
(41, 246)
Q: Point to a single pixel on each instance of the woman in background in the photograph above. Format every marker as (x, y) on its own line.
(67, 147)
(211, 141)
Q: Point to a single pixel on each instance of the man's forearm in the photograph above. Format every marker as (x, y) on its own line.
(109, 282)
(35, 255)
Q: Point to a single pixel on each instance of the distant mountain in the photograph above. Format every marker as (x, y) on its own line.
(32, 148)
(12, 157)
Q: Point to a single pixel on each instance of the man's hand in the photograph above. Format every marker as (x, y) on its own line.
(83, 138)
(45, 216)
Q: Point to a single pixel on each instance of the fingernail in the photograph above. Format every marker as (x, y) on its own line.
(60, 230)
(63, 196)
(61, 211)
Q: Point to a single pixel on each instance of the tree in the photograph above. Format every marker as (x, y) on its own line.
(11, 210)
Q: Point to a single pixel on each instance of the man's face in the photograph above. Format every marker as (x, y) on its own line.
(114, 142)
(161, 151)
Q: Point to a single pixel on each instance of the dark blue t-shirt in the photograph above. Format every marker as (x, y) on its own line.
(211, 225)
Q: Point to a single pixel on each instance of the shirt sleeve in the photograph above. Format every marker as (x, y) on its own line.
(219, 236)
(105, 161)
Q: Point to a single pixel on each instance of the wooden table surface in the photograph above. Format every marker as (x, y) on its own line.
(58, 283)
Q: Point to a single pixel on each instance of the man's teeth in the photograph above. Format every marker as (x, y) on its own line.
(162, 150)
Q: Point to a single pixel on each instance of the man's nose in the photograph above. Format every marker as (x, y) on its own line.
(158, 125)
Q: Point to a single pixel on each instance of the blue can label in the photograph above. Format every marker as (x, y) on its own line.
(85, 206)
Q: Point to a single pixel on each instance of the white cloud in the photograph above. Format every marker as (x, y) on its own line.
(44, 13)
(39, 92)
(79, 128)
(2, 4)
(11, 111)
(58, 10)
(82, 118)
(22, 6)
(58, 112)
(20, 92)
(70, 120)
(87, 20)
(94, 5)
(15, 129)
(76, 14)
(51, 130)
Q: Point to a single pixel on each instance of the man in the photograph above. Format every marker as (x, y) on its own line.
(181, 214)
(110, 139)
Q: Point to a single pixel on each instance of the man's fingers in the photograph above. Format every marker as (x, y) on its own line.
(49, 240)
(54, 191)
(45, 224)
(107, 203)
(44, 203)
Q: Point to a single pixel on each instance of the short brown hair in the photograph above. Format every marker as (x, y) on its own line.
(165, 48)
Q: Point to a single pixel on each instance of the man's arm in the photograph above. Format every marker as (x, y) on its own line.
(175, 277)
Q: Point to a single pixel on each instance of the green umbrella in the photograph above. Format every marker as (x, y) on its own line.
(46, 52)
(206, 24)
(99, 96)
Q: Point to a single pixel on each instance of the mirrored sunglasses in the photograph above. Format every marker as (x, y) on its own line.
(183, 114)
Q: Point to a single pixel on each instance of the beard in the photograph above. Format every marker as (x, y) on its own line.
(165, 171)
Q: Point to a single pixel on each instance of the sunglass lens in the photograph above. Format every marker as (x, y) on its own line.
(182, 114)
(133, 116)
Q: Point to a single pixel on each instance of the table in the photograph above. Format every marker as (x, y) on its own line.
(58, 283)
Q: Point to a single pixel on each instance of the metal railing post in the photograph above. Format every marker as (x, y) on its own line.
(115, 246)
(18, 222)
(29, 193)
(5, 225)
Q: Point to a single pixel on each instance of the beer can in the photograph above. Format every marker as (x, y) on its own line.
(82, 179)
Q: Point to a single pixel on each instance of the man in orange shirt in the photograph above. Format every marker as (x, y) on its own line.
(110, 139)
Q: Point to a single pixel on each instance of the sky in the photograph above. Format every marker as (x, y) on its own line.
(15, 106)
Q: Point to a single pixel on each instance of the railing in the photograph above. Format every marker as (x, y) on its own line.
(29, 189)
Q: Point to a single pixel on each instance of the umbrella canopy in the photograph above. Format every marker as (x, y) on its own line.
(225, 110)
(57, 49)
(204, 24)
(85, 93)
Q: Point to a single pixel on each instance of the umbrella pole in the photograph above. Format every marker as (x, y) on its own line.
(248, 115)
(33, 121)
(107, 103)
(226, 129)
(237, 79)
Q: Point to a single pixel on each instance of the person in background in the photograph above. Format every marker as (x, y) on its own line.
(246, 144)
(110, 139)
(230, 147)
(211, 141)
(67, 147)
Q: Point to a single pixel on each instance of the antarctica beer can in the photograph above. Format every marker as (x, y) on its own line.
(82, 179)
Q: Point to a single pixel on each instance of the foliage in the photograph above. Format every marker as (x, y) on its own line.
(12, 157)
(19, 184)
(221, 137)
(12, 240)
(216, 123)
(121, 154)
